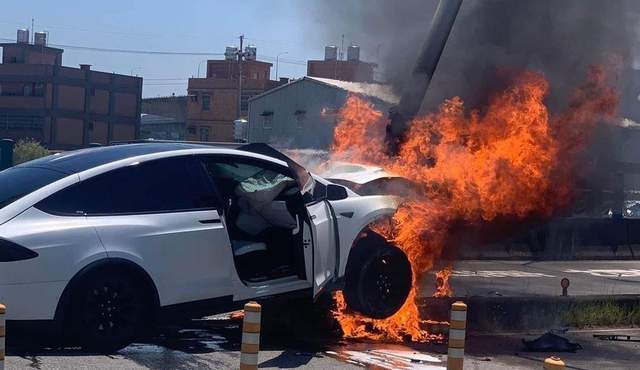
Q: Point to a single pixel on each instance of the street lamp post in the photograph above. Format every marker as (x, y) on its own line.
(278, 62)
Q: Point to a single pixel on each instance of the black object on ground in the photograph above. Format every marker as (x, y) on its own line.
(550, 342)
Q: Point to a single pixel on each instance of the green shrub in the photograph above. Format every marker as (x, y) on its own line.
(604, 313)
(27, 150)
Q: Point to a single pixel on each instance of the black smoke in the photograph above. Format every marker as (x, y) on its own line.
(492, 40)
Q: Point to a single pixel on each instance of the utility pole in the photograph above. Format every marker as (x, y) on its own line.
(240, 58)
(33, 32)
(278, 62)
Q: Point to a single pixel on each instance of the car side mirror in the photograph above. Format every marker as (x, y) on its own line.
(336, 192)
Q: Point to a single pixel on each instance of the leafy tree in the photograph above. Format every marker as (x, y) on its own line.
(27, 150)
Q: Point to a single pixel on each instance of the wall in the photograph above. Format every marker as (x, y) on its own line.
(251, 70)
(309, 130)
(77, 106)
(341, 70)
(223, 95)
(71, 97)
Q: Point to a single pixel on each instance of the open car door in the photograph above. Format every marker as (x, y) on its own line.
(324, 248)
(320, 215)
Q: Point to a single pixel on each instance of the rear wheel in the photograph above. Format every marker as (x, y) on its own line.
(378, 277)
(109, 310)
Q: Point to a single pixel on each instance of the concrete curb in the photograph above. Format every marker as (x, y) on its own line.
(498, 314)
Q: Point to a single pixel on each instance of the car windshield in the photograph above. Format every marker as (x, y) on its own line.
(17, 182)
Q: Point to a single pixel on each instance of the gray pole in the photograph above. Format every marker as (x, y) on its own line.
(240, 56)
(414, 91)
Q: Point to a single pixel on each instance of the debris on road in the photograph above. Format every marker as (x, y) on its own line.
(550, 342)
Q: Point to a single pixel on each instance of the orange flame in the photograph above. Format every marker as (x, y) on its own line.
(513, 160)
(442, 283)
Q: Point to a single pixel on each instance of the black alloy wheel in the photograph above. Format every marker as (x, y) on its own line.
(109, 312)
(378, 278)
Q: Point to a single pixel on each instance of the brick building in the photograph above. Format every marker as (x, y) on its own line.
(352, 69)
(64, 107)
(164, 117)
(213, 101)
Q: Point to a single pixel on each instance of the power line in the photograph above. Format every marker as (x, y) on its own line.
(156, 52)
(132, 51)
(165, 84)
(127, 51)
(165, 79)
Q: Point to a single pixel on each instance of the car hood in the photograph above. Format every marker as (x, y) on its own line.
(356, 172)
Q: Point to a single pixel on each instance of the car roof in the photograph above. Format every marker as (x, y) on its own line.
(84, 159)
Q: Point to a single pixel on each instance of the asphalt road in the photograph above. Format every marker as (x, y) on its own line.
(531, 278)
(207, 349)
(211, 343)
(214, 342)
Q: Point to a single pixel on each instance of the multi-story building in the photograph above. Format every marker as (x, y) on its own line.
(352, 69)
(213, 101)
(63, 107)
(164, 118)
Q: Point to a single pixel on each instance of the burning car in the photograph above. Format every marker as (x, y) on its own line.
(104, 241)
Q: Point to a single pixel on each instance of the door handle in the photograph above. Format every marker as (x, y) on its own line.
(313, 217)
(347, 214)
(211, 221)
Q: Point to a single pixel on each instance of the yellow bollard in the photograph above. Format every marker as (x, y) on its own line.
(3, 333)
(250, 336)
(457, 329)
(553, 363)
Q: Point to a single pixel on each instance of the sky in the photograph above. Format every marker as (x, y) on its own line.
(273, 26)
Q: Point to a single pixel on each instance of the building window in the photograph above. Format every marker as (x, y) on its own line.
(38, 89)
(191, 130)
(300, 116)
(244, 101)
(206, 102)
(204, 133)
(267, 122)
(92, 91)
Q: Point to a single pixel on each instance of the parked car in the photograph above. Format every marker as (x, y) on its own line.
(102, 242)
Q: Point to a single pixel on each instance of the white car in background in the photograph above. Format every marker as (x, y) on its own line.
(102, 242)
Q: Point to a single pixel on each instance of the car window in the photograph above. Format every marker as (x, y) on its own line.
(17, 182)
(248, 177)
(165, 185)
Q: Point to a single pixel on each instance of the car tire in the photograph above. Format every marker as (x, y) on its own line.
(378, 277)
(109, 310)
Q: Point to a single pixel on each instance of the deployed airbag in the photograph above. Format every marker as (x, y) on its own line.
(277, 214)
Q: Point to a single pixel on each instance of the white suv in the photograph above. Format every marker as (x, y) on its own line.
(103, 241)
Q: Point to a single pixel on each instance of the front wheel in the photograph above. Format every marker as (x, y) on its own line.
(378, 277)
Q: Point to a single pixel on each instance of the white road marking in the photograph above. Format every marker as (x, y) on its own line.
(391, 359)
(499, 274)
(607, 273)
